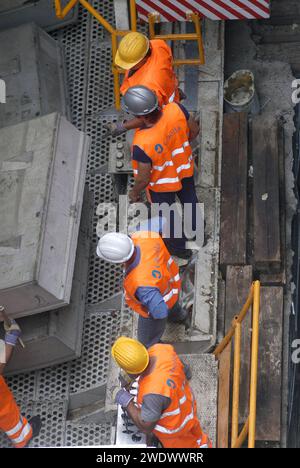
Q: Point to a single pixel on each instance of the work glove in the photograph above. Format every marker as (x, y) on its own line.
(13, 332)
(182, 94)
(123, 398)
(115, 129)
(125, 379)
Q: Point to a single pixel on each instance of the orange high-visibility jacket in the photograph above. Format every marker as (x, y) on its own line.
(156, 74)
(12, 422)
(156, 268)
(178, 426)
(167, 145)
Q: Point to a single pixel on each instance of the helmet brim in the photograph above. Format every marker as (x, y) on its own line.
(128, 65)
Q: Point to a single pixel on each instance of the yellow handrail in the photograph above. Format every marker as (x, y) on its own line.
(115, 33)
(248, 429)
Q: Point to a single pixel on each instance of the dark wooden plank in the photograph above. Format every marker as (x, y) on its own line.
(238, 283)
(234, 191)
(269, 368)
(267, 255)
(223, 397)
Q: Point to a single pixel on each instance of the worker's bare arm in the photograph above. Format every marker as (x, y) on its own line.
(141, 181)
(134, 123)
(194, 128)
(135, 414)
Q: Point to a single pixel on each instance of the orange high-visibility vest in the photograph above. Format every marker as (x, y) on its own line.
(167, 145)
(156, 74)
(178, 426)
(156, 268)
(16, 426)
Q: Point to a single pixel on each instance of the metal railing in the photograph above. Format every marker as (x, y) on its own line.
(196, 36)
(115, 33)
(223, 354)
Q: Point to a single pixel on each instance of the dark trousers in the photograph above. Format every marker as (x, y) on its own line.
(186, 195)
(151, 330)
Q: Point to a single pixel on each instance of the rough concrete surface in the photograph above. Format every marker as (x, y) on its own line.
(273, 80)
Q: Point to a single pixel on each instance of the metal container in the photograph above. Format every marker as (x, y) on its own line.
(240, 94)
(42, 176)
(33, 68)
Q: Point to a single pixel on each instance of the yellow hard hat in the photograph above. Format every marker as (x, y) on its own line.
(130, 355)
(132, 49)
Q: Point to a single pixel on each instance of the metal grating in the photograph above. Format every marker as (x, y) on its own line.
(88, 434)
(23, 386)
(53, 382)
(100, 330)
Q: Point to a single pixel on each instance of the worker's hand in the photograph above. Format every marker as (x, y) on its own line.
(13, 332)
(125, 379)
(123, 398)
(114, 129)
(134, 197)
(182, 94)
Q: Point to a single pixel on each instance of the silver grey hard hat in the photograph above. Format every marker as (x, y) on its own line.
(139, 100)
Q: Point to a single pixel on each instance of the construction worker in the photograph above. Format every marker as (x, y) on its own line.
(147, 63)
(165, 405)
(162, 157)
(151, 283)
(19, 430)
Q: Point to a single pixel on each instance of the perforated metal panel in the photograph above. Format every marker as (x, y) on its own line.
(23, 386)
(100, 330)
(53, 382)
(88, 434)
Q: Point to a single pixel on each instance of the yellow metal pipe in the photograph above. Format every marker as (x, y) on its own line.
(98, 17)
(151, 19)
(246, 306)
(61, 13)
(254, 365)
(57, 5)
(196, 21)
(177, 37)
(180, 62)
(242, 436)
(133, 15)
(236, 384)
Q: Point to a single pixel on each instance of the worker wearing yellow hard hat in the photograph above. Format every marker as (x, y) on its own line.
(148, 63)
(165, 405)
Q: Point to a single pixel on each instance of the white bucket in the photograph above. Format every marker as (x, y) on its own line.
(240, 94)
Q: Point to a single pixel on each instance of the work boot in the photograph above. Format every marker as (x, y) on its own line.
(36, 424)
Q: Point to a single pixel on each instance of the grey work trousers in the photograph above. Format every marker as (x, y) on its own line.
(151, 330)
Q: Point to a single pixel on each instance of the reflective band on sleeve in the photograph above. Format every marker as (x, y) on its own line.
(172, 97)
(183, 167)
(135, 171)
(170, 294)
(162, 429)
(26, 430)
(170, 261)
(15, 429)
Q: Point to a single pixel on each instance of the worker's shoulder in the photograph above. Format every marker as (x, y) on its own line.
(160, 44)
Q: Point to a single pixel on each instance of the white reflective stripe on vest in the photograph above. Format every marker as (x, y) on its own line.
(162, 429)
(165, 181)
(181, 149)
(168, 296)
(15, 429)
(175, 411)
(161, 168)
(135, 171)
(170, 261)
(23, 435)
(172, 97)
(185, 166)
(176, 278)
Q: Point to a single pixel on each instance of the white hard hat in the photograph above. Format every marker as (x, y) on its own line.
(115, 247)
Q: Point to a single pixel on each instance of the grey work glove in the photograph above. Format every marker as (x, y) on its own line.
(115, 128)
(125, 379)
(123, 398)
